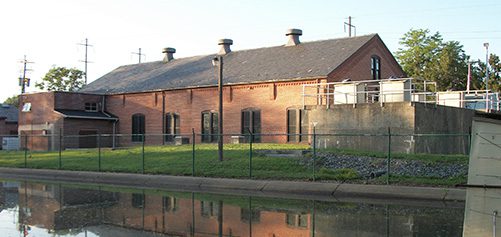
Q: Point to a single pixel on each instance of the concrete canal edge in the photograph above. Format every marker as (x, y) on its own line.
(271, 188)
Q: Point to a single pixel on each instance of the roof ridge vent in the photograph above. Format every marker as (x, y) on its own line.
(293, 36)
(169, 54)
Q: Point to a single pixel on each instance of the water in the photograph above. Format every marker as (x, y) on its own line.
(43, 209)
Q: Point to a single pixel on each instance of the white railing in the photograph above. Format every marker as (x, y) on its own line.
(396, 90)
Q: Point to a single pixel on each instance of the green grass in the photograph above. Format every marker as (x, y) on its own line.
(338, 174)
(173, 160)
(177, 160)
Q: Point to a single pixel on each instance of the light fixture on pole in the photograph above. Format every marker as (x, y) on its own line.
(218, 61)
(486, 45)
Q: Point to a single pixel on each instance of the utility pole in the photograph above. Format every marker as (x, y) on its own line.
(23, 80)
(218, 61)
(139, 54)
(349, 27)
(85, 60)
(468, 79)
(486, 45)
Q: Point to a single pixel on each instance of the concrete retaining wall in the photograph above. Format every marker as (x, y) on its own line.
(373, 121)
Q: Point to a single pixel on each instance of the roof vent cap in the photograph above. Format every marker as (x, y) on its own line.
(293, 36)
(225, 46)
(169, 54)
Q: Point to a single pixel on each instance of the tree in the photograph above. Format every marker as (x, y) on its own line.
(494, 73)
(451, 69)
(62, 79)
(428, 57)
(13, 100)
(478, 74)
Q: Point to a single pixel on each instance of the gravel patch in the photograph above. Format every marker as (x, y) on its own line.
(366, 165)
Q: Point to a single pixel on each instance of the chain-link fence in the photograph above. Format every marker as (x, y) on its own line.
(315, 156)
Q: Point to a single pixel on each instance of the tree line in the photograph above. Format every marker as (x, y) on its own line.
(422, 55)
(427, 56)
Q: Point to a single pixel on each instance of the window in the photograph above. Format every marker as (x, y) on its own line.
(137, 127)
(26, 107)
(296, 220)
(251, 120)
(209, 126)
(91, 107)
(209, 209)
(138, 200)
(297, 125)
(170, 204)
(248, 214)
(376, 67)
(305, 125)
(171, 126)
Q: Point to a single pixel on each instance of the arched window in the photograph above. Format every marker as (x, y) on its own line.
(138, 129)
(251, 121)
(210, 127)
(172, 123)
(376, 67)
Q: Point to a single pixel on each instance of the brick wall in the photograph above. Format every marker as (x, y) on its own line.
(75, 101)
(358, 67)
(82, 133)
(272, 99)
(7, 128)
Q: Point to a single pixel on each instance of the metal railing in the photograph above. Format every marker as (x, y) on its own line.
(396, 90)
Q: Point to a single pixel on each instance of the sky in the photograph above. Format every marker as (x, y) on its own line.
(50, 32)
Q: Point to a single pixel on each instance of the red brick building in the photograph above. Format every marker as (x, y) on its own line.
(262, 92)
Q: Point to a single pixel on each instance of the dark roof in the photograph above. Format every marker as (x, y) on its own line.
(306, 60)
(8, 112)
(79, 114)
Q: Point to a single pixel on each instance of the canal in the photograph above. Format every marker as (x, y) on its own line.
(55, 209)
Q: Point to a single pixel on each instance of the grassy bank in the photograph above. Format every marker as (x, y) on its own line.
(174, 160)
(178, 160)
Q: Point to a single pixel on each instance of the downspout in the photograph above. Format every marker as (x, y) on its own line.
(163, 117)
(114, 122)
(113, 136)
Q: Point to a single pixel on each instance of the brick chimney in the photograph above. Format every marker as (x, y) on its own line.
(293, 36)
(225, 46)
(169, 54)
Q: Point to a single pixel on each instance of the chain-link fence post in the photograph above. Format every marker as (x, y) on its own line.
(60, 165)
(251, 138)
(193, 152)
(142, 153)
(388, 162)
(314, 151)
(99, 152)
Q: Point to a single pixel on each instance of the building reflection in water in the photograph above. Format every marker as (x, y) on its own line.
(62, 209)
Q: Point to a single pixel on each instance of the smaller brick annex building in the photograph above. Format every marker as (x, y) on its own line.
(8, 121)
(262, 92)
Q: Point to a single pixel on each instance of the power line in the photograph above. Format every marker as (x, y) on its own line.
(438, 9)
(85, 60)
